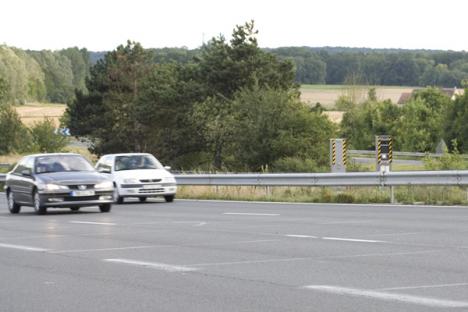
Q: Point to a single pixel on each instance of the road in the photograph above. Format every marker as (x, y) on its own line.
(235, 256)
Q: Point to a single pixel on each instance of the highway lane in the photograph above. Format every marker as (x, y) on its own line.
(235, 256)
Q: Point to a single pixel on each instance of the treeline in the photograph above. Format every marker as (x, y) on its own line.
(53, 76)
(429, 117)
(377, 67)
(233, 107)
(45, 75)
(359, 66)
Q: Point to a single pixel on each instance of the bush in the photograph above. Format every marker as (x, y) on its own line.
(14, 136)
(45, 139)
(294, 164)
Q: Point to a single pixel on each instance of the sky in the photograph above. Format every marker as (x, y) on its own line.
(101, 25)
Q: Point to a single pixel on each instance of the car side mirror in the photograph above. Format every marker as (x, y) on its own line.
(26, 172)
(167, 168)
(104, 170)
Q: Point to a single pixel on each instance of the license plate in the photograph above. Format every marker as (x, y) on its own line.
(151, 186)
(83, 193)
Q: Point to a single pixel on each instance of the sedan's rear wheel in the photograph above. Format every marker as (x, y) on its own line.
(38, 206)
(105, 207)
(12, 205)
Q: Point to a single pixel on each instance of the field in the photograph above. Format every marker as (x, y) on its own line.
(35, 112)
(326, 95)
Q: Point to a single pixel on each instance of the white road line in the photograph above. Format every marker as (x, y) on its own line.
(251, 214)
(300, 236)
(22, 247)
(425, 286)
(153, 265)
(425, 301)
(353, 240)
(106, 249)
(91, 222)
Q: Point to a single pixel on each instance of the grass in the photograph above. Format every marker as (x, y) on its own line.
(434, 195)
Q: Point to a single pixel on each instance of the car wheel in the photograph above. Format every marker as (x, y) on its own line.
(169, 198)
(142, 199)
(38, 206)
(105, 207)
(118, 199)
(74, 209)
(12, 205)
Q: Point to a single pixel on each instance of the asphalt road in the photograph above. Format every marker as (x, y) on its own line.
(235, 256)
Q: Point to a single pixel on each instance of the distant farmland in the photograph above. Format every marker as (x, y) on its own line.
(35, 112)
(326, 95)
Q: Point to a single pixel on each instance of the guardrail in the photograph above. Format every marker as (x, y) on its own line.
(396, 178)
(407, 154)
(450, 177)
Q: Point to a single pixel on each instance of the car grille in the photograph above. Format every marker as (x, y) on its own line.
(150, 180)
(76, 187)
(80, 198)
(151, 191)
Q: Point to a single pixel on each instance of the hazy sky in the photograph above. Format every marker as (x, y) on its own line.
(104, 24)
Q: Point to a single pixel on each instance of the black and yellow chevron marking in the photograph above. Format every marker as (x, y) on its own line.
(379, 152)
(333, 152)
(345, 153)
(390, 150)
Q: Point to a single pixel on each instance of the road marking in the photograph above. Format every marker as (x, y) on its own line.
(353, 240)
(300, 236)
(425, 286)
(194, 223)
(425, 301)
(91, 222)
(106, 249)
(22, 247)
(251, 214)
(153, 265)
(252, 261)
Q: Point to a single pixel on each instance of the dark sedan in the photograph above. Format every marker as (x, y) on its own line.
(57, 180)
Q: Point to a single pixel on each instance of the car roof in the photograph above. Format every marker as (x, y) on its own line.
(125, 154)
(53, 154)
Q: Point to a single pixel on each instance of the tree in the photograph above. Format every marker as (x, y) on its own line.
(456, 127)
(224, 69)
(269, 125)
(107, 115)
(421, 125)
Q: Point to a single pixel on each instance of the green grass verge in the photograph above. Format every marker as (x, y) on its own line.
(433, 195)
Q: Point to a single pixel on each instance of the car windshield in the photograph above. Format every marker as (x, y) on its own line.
(62, 163)
(132, 162)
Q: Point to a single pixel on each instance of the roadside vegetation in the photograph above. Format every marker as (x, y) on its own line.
(231, 106)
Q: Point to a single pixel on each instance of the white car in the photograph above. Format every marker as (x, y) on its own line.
(138, 175)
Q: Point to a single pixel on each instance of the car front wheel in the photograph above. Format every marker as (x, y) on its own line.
(105, 207)
(12, 205)
(38, 206)
(118, 199)
(169, 198)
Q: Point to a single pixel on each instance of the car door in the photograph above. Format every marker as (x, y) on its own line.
(29, 180)
(20, 181)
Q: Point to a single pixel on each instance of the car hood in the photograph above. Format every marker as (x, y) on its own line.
(142, 174)
(67, 178)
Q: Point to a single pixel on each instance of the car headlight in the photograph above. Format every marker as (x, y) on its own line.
(53, 187)
(131, 181)
(104, 185)
(169, 180)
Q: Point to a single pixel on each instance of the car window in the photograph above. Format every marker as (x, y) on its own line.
(132, 162)
(22, 165)
(62, 163)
